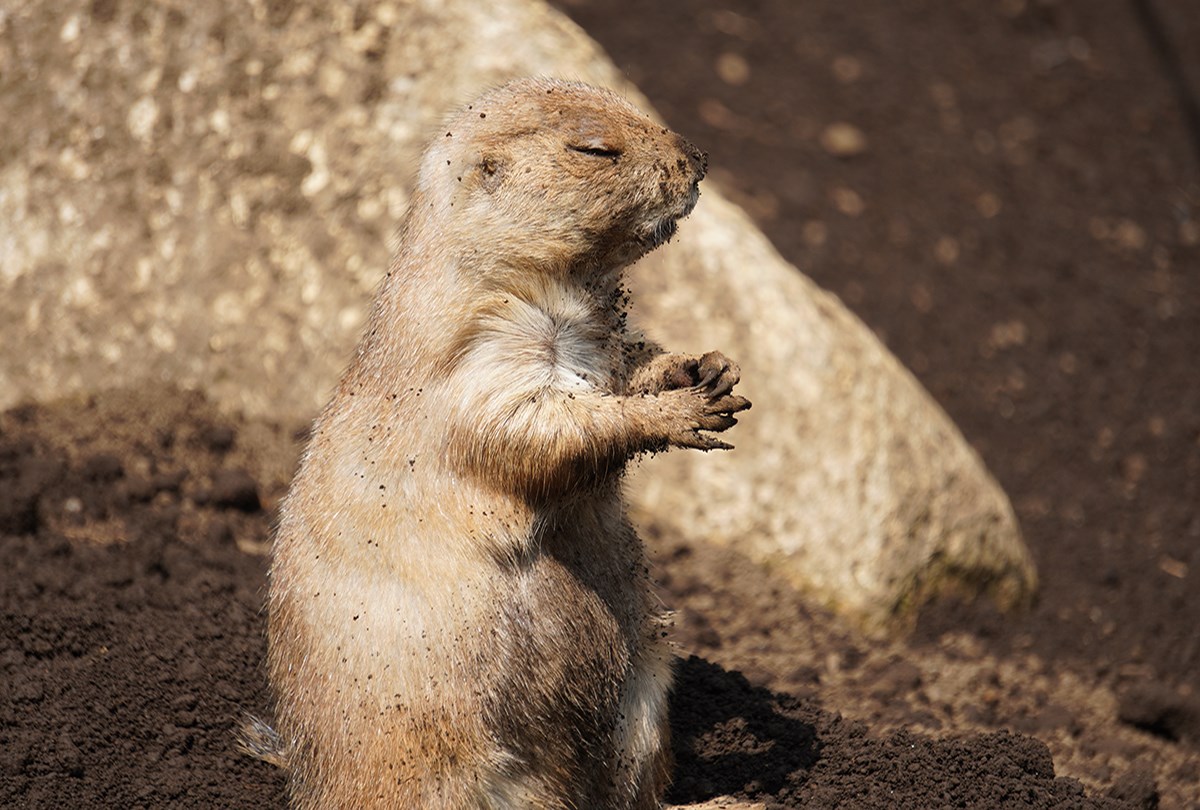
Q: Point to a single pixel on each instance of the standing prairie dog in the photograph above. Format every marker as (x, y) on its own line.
(460, 615)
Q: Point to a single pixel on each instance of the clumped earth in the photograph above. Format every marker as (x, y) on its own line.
(1006, 192)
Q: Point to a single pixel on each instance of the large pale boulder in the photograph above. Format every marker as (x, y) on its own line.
(846, 473)
(205, 194)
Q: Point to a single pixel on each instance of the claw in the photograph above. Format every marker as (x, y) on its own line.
(716, 421)
(714, 444)
(718, 374)
(728, 405)
(723, 387)
(708, 379)
(699, 441)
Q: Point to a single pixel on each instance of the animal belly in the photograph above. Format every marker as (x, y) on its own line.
(557, 700)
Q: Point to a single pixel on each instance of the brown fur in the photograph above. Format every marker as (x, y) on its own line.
(459, 610)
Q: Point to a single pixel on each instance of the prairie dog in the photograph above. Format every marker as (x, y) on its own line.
(459, 611)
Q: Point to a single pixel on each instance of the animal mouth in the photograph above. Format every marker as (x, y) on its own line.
(666, 227)
(690, 202)
(662, 232)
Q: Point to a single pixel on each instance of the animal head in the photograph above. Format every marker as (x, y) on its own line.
(560, 175)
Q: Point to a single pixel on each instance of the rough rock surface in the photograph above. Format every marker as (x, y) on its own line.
(204, 194)
(846, 472)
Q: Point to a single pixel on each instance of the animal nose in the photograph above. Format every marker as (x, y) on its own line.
(698, 158)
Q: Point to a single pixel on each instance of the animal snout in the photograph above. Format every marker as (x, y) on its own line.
(697, 158)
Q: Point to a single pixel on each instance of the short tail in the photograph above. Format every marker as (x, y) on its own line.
(259, 740)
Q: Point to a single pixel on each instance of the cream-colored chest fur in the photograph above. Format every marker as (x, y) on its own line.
(541, 337)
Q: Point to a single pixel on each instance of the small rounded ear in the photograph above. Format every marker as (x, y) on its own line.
(492, 169)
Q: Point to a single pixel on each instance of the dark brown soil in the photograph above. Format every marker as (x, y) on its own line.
(132, 639)
(732, 739)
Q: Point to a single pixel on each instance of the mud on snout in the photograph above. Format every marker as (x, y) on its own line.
(691, 167)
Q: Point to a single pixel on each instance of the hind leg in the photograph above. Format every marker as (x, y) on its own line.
(644, 733)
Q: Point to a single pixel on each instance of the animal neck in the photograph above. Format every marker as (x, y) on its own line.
(421, 300)
(432, 301)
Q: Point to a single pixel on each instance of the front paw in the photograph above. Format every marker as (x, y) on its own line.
(696, 411)
(714, 372)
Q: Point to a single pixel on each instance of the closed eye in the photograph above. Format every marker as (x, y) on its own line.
(596, 151)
